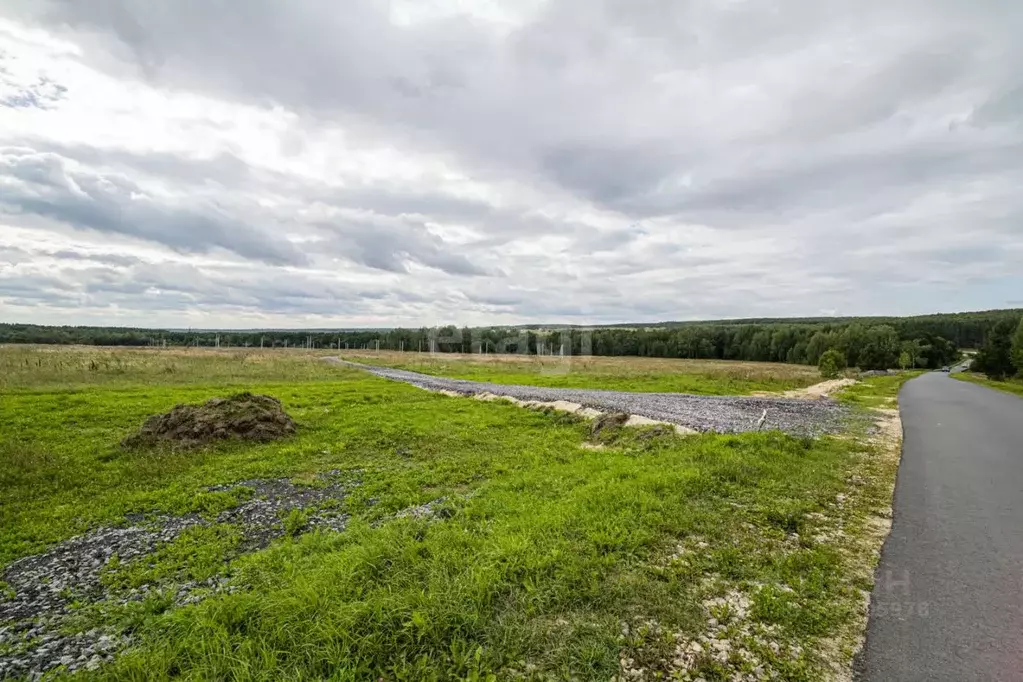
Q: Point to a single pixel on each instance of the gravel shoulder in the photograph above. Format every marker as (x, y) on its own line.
(719, 414)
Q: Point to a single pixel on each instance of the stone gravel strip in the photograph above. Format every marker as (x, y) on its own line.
(720, 414)
(45, 585)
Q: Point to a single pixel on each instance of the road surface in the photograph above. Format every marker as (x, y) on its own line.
(948, 598)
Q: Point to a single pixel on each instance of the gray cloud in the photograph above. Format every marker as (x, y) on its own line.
(390, 245)
(41, 92)
(572, 93)
(642, 159)
(102, 258)
(43, 184)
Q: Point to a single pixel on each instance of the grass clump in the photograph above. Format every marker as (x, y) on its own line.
(197, 554)
(879, 391)
(295, 521)
(1014, 386)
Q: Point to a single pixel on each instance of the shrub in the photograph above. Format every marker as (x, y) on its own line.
(1017, 348)
(831, 364)
(995, 357)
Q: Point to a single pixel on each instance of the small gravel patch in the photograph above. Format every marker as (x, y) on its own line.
(45, 585)
(720, 414)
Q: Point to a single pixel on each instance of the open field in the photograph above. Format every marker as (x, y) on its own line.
(1014, 386)
(423, 536)
(697, 377)
(70, 367)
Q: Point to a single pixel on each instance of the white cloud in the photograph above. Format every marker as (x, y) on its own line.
(474, 162)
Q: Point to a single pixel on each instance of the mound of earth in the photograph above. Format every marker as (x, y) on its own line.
(245, 416)
(607, 422)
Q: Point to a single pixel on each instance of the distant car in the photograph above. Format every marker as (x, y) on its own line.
(944, 369)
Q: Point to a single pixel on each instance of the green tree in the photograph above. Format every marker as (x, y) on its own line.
(818, 343)
(831, 364)
(911, 350)
(1017, 348)
(878, 348)
(995, 356)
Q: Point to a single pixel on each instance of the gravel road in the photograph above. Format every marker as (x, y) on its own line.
(721, 414)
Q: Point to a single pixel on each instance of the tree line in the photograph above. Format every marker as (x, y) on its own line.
(868, 343)
(1001, 355)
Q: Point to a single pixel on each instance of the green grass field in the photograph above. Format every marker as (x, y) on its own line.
(877, 392)
(697, 377)
(550, 561)
(1014, 386)
(35, 368)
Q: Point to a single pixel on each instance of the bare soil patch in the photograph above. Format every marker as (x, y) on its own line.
(820, 390)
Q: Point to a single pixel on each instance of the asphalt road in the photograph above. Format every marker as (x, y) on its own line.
(948, 598)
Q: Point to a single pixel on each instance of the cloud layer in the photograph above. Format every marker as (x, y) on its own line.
(395, 163)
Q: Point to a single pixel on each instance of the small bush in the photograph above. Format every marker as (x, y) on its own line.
(831, 364)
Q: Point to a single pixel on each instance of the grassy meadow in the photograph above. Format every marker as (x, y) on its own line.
(1014, 386)
(645, 555)
(697, 377)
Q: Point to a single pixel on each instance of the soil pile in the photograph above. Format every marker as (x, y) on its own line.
(245, 416)
(608, 422)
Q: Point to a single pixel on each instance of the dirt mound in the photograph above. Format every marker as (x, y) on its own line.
(244, 416)
(606, 422)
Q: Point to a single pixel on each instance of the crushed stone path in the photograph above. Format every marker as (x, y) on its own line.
(720, 414)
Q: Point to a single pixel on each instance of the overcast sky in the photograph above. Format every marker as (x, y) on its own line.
(255, 163)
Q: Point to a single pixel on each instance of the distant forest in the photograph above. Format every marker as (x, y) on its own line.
(927, 341)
